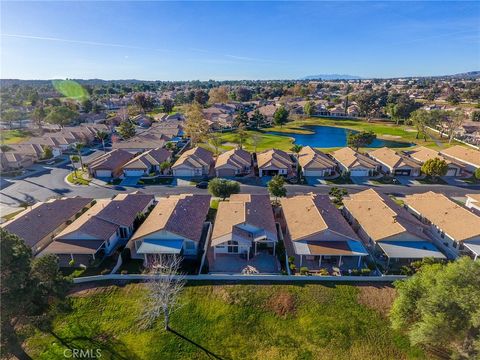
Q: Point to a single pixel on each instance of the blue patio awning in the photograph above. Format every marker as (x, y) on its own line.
(150, 246)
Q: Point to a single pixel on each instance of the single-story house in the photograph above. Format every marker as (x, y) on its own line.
(274, 162)
(243, 224)
(109, 165)
(141, 142)
(395, 164)
(388, 229)
(473, 202)
(465, 155)
(422, 154)
(193, 162)
(233, 162)
(147, 162)
(354, 163)
(315, 163)
(39, 224)
(454, 227)
(174, 227)
(317, 234)
(97, 232)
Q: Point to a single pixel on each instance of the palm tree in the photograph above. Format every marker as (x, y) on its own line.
(102, 136)
(73, 160)
(296, 148)
(79, 148)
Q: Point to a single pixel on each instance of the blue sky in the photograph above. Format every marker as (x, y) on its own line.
(237, 40)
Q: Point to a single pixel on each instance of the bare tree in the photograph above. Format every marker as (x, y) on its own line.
(455, 121)
(256, 140)
(163, 289)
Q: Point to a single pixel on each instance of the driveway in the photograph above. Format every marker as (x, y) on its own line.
(407, 180)
(130, 180)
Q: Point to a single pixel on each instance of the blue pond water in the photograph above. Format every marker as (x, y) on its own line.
(329, 136)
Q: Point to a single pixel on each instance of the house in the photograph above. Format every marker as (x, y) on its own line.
(318, 235)
(100, 230)
(352, 162)
(422, 154)
(141, 142)
(395, 164)
(39, 224)
(315, 163)
(469, 157)
(338, 111)
(147, 162)
(193, 162)
(455, 228)
(473, 202)
(233, 162)
(175, 227)
(109, 165)
(388, 229)
(243, 225)
(274, 162)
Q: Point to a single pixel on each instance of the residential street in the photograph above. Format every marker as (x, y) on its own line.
(51, 184)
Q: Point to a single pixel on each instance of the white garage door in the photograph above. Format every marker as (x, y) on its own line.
(183, 172)
(134, 172)
(452, 172)
(103, 173)
(359, 172)
(313, 172)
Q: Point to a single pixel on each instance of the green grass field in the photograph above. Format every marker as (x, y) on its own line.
(13, 136)
(388, 131)
(232, 321)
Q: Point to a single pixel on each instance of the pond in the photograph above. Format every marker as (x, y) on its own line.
(332, 137)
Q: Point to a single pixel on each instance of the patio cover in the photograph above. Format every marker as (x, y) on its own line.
(475, 248)
(151, 246)
(332, 248)
(410, 249)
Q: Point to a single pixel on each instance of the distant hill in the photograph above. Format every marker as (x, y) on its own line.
(466, 75)
(331, 77)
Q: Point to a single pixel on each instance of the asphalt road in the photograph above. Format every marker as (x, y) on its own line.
(51, 183)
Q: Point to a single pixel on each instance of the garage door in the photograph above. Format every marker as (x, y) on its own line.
(313, 172)
(103, 173)
(452, 172)
(182, 172)
(403, 172)
(226, 172)
(134, 173)
(359, 172)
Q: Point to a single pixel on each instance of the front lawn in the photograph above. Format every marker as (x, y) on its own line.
(428, 180)
(385, 180)
(340, 180)
(233, 322)
(156, 181)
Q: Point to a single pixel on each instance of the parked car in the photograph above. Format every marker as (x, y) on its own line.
(202, 185)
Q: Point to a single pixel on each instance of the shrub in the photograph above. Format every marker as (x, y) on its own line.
(323, 272)
(304, 270)
(105, 272)
(71, 263)
(291, 259)
(293, 267)
(124, 272)
(365, 272)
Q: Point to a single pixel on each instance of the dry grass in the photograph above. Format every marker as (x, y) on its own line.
(282, 304)
(379, 298)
